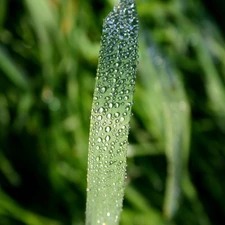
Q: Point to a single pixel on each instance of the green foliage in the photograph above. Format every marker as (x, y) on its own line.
(48, 59)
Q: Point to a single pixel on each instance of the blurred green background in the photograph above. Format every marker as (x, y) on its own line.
(176, 157)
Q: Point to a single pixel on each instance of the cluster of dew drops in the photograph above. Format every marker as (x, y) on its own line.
(113, 99)
(113, 96)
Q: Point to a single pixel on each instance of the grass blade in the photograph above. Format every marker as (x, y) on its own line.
(8, 207)
(110, 116)
(168, 112)
(13, 72)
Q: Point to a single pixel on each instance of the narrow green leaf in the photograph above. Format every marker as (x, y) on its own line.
(45, 25)
(213, 82)
(168, 113)
(13, 72)
(110, 115)
(145, 214)
(3, 11)
(9, 208)
(7, 169)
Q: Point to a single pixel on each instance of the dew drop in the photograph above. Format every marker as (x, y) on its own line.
(99, 118)
(103, 90)
(107, 138)
(117, 114)
(121, 119)
(99, 140)
(101, 109)
(121, 37)
(108, 129)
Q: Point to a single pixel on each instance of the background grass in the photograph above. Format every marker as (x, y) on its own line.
(176, 157)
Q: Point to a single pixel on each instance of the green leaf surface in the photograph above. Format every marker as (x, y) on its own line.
(110, 115)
